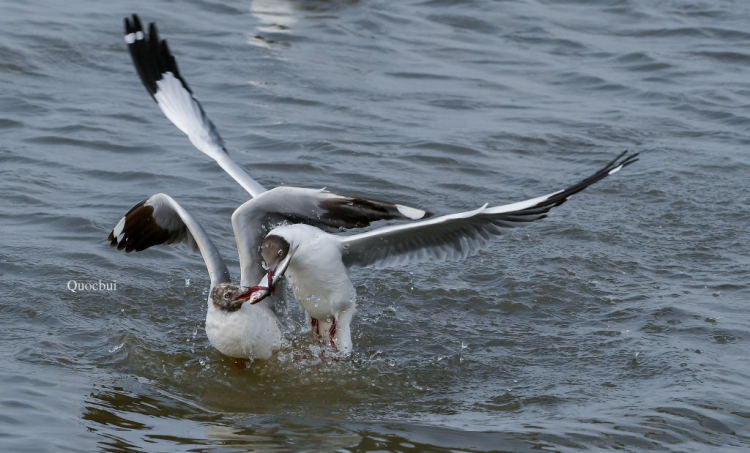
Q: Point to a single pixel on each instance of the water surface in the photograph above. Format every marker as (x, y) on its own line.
(618, 323)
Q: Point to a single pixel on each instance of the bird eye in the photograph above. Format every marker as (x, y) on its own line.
(280, 252)
(227, 295)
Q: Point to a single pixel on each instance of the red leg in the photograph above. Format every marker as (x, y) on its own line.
(332, 332)
(314, 323)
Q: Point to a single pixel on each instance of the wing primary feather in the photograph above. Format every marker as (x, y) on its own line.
(161, 220)
(157, 68)
(456, 236)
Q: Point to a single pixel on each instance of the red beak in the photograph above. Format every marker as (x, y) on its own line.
(246, 295)
(249, 294)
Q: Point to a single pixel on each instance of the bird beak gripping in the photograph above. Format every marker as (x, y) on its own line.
(265, 288)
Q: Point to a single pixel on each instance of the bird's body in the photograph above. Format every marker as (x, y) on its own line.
(320, 283)
(301, 222)
(250, 332)
(317, 263)
(235, 330)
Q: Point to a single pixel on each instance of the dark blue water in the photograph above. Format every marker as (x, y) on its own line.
(621, 322)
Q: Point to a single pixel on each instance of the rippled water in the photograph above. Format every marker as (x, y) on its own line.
(620, 322)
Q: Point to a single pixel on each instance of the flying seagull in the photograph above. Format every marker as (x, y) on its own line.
(317, 263)
(159, 219)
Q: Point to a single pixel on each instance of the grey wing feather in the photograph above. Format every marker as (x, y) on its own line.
(161, 220)
(456, 236)
(331, 211)
(256, 218)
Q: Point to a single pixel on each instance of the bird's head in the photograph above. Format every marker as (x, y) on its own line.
(273, 250)
(277, 253)
(225, 296)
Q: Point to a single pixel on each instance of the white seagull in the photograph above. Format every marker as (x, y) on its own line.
(317, 263)
(234, 329)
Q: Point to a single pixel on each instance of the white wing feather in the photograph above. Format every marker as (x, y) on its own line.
(158, 71)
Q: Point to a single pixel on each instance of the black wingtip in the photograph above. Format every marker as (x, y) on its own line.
(137, 23)
(621, 161)
(139, 229)
(153, 34)
(151, 55)
(132, 24)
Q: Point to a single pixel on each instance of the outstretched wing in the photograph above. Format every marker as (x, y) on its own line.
(159, 73)
(456, 236)
(161, 220)
(256, 218)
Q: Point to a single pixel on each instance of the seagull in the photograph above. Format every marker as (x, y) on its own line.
(317, 263)
(234, 329)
